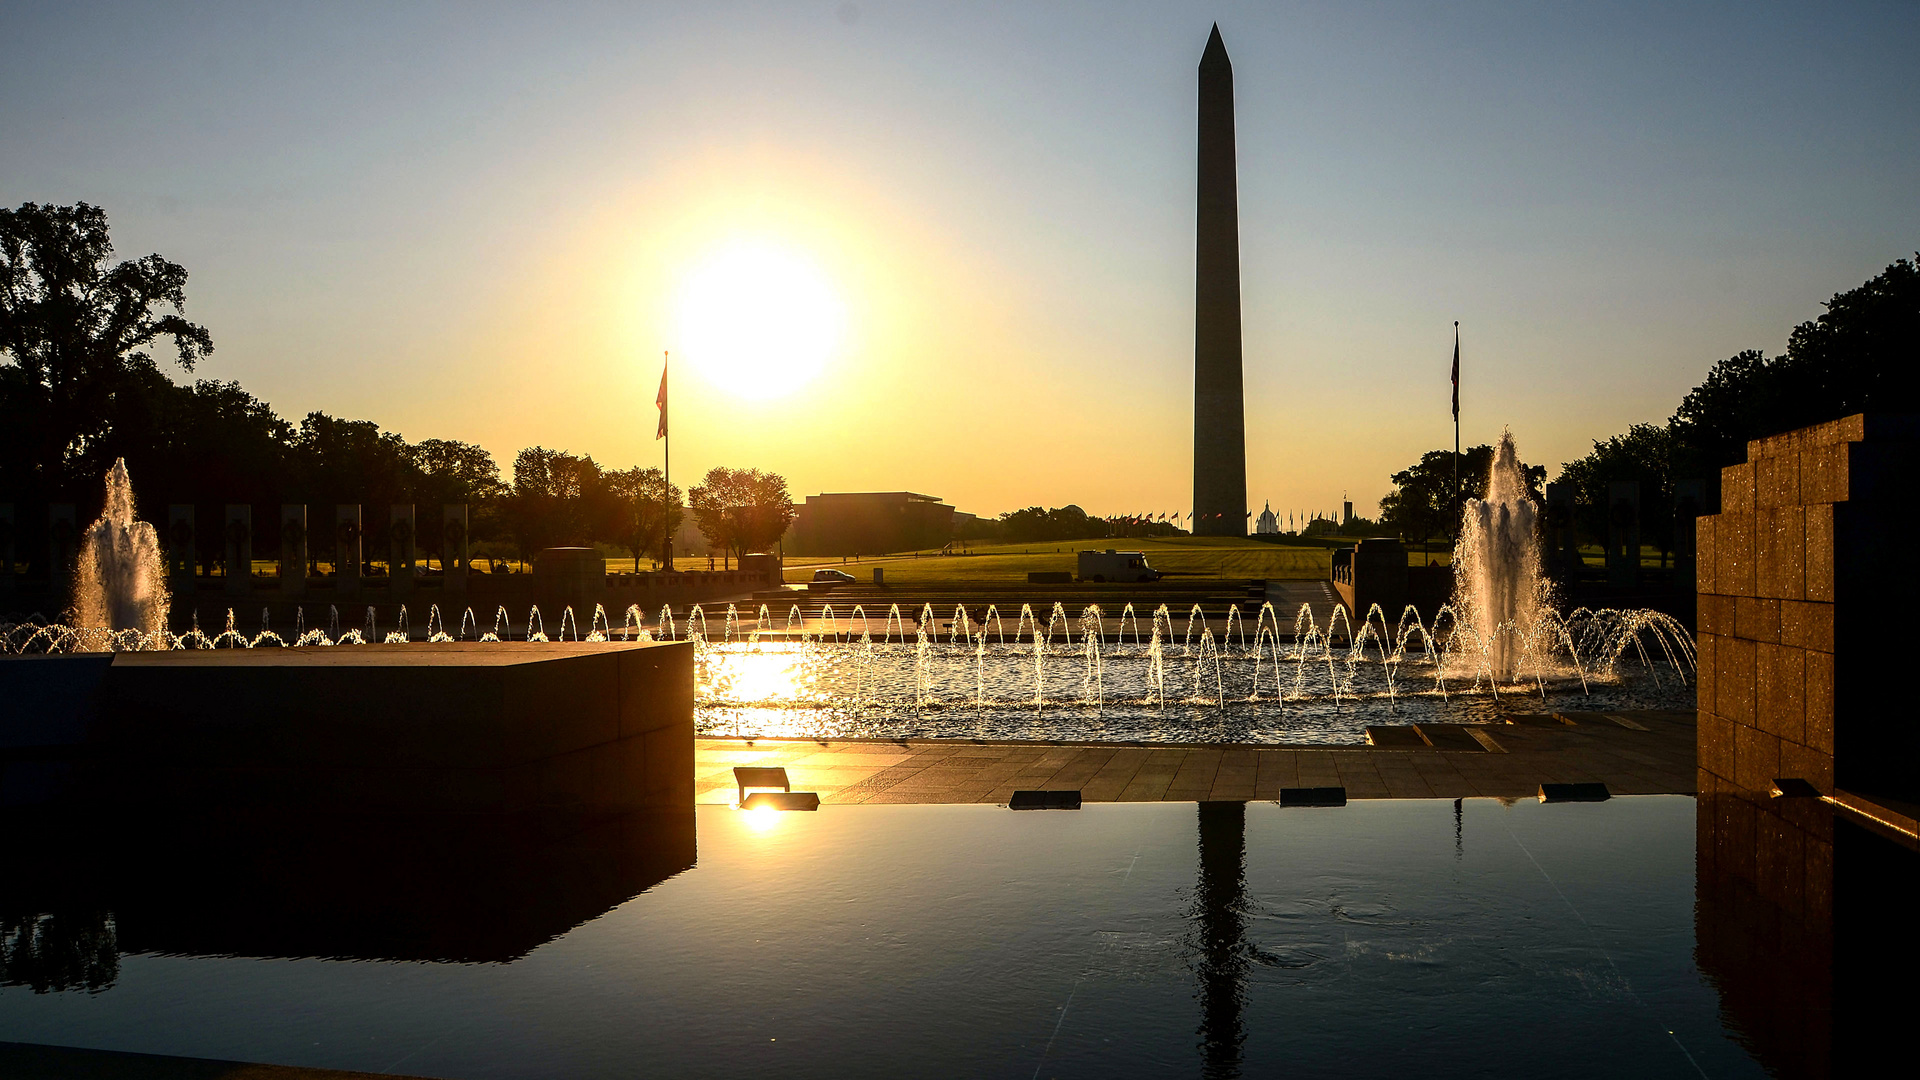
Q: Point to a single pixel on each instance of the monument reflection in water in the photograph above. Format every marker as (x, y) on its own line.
(1121, 940)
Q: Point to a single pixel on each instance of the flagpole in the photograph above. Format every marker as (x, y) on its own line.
(666, 468)
(1456, 427)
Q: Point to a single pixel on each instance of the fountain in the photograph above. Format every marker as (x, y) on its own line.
(121, 583)
(1215, 678)
(1499, 594)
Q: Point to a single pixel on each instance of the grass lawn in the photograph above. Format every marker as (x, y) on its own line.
(1201, 556)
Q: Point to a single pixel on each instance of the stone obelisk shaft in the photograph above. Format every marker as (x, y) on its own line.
(1219, 412)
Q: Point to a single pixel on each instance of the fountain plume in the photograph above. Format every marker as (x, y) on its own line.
(1499, 593)
(121, 582)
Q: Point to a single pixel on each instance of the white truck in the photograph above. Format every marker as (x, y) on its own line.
(1111, 565)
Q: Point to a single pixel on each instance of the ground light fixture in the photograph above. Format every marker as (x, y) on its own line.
(781, 800)
(761, 780)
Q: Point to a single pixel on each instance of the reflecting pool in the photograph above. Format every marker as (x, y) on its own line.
(1217, 939)
(1127, 691)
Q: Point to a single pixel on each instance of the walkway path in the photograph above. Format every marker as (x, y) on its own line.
(1640, 753)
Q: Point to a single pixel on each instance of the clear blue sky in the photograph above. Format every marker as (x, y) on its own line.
(471, 221)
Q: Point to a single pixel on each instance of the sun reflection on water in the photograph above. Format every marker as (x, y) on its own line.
(762, 673)
(761, 819)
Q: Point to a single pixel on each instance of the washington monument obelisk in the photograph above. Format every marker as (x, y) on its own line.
(1219, 414)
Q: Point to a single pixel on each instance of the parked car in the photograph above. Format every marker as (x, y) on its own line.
(832, 577)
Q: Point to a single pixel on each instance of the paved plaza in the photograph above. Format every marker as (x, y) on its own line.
(1636, 753)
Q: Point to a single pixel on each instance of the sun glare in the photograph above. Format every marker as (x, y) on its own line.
(759, 320)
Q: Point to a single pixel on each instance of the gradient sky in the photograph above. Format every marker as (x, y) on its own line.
(471, 221)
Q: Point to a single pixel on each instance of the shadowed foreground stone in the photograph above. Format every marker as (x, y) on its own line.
(594, 728)
(28, 1061)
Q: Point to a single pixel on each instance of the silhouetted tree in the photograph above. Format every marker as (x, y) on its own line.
(639, 498)
(552, 501)
(351, 461)
(1646, 454)
(74, 332)
(454, 472)
(1036, 524)
(1424, 503)
(741, 510)
(1862, 355)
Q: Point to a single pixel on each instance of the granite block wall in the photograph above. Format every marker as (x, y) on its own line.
(1802, 578)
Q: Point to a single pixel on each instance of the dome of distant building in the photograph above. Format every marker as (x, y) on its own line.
(1266, 523)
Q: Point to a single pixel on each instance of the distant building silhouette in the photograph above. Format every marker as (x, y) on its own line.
(1219, 413)
(1268, 523)
(870, 523)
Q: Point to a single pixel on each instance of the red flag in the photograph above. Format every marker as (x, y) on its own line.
(661, 400)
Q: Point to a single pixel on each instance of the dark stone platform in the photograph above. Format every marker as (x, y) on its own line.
(592, 728)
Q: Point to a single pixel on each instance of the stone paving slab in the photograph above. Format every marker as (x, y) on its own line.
(1636, 753)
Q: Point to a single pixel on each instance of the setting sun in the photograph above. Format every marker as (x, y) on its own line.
(758, 319)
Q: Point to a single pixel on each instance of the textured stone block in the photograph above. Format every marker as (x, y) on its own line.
(1824, 473)
(1780, 678)
(1733, 679)
(1733, 555)
(1715, 734)
(1806, 625)
(1819, 565)
(1736, 489)
(1757, 619)
(1763, 553)
(1776, 481)
(1805, 763)
(1781, 553)
(1703, 671)
(1756, 758)
(1707, 615)
(1819, 724)
(1703, 549)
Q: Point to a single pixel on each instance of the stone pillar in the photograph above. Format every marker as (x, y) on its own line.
(63, 545)
(1689, 502)
(1563, 545)
(182, 559)
(346, 550)
(1623, 533)
(453, 540)
(7, 533)
(568, 577)
(293, 551)
(400, 549)
(239, 548)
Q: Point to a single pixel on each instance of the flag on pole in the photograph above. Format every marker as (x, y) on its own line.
(1456, 372)
(661, 400)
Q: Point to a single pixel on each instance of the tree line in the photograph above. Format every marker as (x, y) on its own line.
(81, 384)
(1861, 355)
